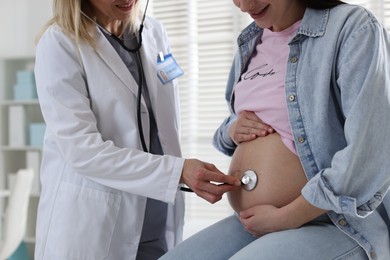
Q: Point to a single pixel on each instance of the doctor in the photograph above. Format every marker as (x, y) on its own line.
(111, 176)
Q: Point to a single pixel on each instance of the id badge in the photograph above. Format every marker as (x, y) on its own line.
(167, 68)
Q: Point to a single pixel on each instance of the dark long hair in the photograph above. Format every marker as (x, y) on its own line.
(322, 4)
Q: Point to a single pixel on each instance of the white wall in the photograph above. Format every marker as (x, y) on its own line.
(20, 21)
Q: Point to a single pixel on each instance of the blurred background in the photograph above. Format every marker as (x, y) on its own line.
(202, 35)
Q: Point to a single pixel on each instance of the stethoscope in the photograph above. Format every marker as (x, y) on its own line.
(134, 50)
(248, 180)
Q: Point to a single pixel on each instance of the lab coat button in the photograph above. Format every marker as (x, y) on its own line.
(342, 222)
(291, 98)
(301, 139)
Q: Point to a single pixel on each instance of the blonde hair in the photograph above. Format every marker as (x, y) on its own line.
(67, 15)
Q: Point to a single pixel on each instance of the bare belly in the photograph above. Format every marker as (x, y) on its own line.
(280, 176)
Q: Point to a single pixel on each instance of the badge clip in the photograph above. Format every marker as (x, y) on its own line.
(167, 68)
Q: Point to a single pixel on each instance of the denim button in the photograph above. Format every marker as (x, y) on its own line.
(342, 222)
(301, 139)
(373, 254)
(294, 59)
(291, 98)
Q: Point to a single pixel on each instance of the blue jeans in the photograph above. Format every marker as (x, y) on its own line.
(318, 239)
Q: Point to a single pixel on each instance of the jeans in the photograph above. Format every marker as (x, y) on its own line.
(226, 239)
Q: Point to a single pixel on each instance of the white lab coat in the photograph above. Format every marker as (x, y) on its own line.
(95, 179)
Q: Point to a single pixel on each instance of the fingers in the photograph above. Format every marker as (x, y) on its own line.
(248, 127)
(246, 213)
(240, 138)
(212, 198)
(213, 174)
(252, 121)
(262, 219)
(207, 181)
(245, 221)
(248, 221)
(211, 185)
(214, 192)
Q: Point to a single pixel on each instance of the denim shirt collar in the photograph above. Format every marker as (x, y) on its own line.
(311, 26)
(249, 33)
(314, 22)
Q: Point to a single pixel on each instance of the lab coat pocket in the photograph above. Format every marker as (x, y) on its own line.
(82, 223)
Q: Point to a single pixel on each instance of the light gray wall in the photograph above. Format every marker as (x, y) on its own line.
(20, 21)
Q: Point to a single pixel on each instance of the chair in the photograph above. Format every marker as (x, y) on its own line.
(16, 213)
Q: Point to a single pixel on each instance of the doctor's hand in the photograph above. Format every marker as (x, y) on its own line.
(200, 177)
(248, 127)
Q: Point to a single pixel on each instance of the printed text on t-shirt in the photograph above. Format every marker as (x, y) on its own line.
(260, 71)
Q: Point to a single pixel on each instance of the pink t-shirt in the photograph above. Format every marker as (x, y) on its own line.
(261, 88)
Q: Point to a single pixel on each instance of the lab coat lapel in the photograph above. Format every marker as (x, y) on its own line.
(115, 63)
(148, 53)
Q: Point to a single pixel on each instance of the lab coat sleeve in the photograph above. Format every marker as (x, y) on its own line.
(359, 176)
(71, 123)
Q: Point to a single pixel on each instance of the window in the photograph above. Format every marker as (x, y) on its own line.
(203, 36)
(381, 8)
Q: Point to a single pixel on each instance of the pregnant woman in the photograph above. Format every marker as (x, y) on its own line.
(273, 158)
(309, 99)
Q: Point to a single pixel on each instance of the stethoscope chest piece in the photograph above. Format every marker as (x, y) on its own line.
(249, 180)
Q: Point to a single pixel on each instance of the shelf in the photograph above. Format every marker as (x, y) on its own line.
(7, 193)
(29, 240)
(4, 193)
(19, 102)
(18, 54)
(20, 148)
(13, 57)
(35, 195)
(19, 154)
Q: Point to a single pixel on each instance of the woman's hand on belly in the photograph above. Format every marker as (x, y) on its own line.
(248, 127)
(263, 219)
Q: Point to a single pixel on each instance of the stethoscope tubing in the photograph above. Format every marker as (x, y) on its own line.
(136, 51)
(139, 95)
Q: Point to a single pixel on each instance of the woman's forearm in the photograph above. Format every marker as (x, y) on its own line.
(299, 212)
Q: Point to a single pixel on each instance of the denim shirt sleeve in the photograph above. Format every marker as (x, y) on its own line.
(358, 177)
(246, 41)
(221, 140)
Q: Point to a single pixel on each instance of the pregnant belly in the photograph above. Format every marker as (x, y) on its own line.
(280, 176)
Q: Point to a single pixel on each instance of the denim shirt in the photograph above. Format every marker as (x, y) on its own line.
(338, 98)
